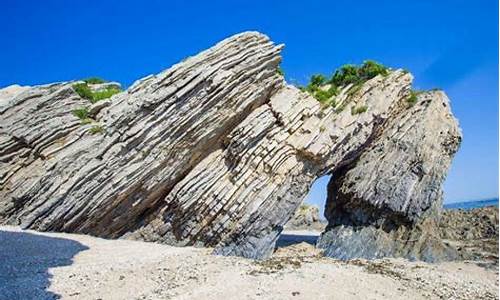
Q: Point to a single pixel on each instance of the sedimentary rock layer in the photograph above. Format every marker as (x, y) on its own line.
(239, 197)
(388, 201)
(61, 177)
(216, 151)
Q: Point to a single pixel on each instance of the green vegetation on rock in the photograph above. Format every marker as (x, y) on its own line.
(317, 80)
(83, 90)
(96, 129)
(104, 94)
(86, 92)
(83, 113)
(354, 74)
(94, 80)
(345, 75)
(324, 96)
(413, 97)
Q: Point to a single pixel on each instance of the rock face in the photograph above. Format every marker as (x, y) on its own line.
(306, 217)
(474, 233)
(219, 151)
(388, 201)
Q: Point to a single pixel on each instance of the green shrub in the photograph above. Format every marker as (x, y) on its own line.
(345, 75)
(104, 94)
(348, 74)
(96, 129)
(94, 80)
(81, 113)
(322, 96)
(311, 88)
(333, 90)
(318, 80)
(326, 96)
(370, 69)
(83, 90)
(359, 109)
(413, 97)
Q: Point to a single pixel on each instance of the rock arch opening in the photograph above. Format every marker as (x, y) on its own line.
(308, 221)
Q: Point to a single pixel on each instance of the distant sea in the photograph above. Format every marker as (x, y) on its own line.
(472, 204)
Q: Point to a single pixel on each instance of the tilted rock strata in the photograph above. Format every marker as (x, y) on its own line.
(388, 202)
(215, 151)
(239, 197)
(155, 132)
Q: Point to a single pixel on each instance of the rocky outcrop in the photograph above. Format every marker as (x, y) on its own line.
(388, 201)
(239, 197)
(306, 217)
(474, 233)
(58, 176)
(473, 224)
(216, 151)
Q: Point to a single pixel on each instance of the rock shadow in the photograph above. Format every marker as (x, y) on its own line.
(25, 260)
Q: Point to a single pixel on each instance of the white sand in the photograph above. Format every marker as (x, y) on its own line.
(44, 265)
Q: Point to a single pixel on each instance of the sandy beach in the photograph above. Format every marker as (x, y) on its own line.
(70, 266)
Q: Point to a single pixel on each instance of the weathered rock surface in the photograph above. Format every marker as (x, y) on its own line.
(474, 233)
(306, 217)
(247, 190)
(218, 151)
(388, 201)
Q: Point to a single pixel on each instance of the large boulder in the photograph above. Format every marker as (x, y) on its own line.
(388, 201)
(306, 217)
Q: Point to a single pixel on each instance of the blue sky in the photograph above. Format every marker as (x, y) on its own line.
(452, 45)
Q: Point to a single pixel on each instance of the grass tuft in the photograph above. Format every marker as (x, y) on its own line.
(81, 113)
(104, 94)
(412, 99)
(96, 129)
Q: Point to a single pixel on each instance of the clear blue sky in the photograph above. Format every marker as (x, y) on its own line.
(452, 45)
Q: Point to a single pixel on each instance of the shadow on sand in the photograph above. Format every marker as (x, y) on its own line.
(25, 260)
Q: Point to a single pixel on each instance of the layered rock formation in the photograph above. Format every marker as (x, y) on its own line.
(388, 201)
(218, 151)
